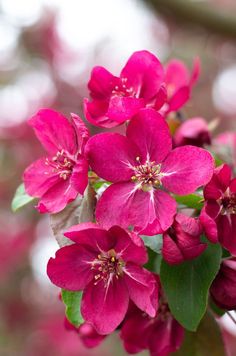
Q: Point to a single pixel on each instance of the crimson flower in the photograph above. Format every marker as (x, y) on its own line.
(219, 213)
(223, 288)
(194, 132)
(161, 335)
(58, 178)
(106, 265)
(117, 99)
(142, 166)
(179, 82)
(181, 242)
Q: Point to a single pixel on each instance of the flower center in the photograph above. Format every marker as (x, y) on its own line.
(122, 89)
(147, 175)
(107, 266)
(228, 204)
(61, 164)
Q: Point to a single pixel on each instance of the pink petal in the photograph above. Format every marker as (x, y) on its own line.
(54, 131)
(134, 207)
(195, 71)
(129, 247)
(160, 98)
(219, 182)
(150, 132)
(101, 83)
(82, 132)
(177, 74)
(39, 178)
(169, 337)
(92, 236)
(105, 307)
(71, 268)
(57, 197)
(209, 226)
(180, 97)
(79, 177)
(144, 73)
(96, 113)
(187, 168)
(142, 288)
(226, 225)
(123, 108)
(111, 156)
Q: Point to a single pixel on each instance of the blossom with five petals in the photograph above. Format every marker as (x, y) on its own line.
(60, 177)
(107, 267)
(143, 167)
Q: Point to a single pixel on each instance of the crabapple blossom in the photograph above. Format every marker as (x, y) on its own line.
(107, 267)
(142, 167)
(58, 178)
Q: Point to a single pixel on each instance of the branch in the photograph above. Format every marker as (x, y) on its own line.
(189, 12)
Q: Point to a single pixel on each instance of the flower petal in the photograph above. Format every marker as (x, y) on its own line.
(129, 247)
(54, 131)
(226, 225)
(180, 97)
(71, 268)
(79, 177)
(144, 73)
(57, 197)
(101, 83)
(219, 182)
(91, 236)
(150, 132)
(187, 168)
(111, 156)
(39, 178)
(142, 288)
(123, 108)
(105, 307)
(96, 113)
(134, 207)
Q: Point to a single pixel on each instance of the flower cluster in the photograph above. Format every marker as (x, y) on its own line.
(161, 206)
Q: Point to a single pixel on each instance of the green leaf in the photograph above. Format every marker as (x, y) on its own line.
(21, 198)
(206, 341)
(72, 301)
(153, 242)
(192, 201)
(187, 285)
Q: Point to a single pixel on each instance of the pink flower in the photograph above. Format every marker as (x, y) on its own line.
(179, 82)
(117, 99)
(87, 334)
(223, 289)
(181, 242)
(219, 213)
(161, 335)
(106, 265)
(58, 178)
(142, 166)
(193, 132)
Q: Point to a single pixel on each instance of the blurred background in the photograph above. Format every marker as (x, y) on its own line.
(47, 50)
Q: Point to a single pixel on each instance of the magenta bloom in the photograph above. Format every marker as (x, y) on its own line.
(106, 265)
(219, 213)
(181, 242)
(142, 166)
(223, 288)
(160, 335)
(117, 99)
(58, 178)
(193, 132)
(179, 82)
